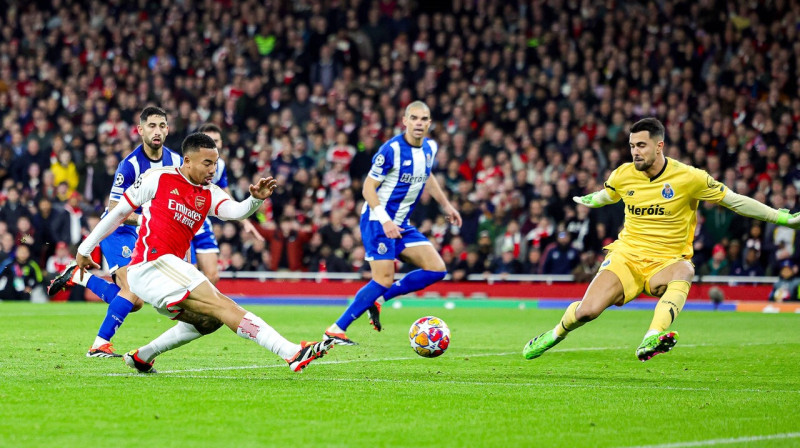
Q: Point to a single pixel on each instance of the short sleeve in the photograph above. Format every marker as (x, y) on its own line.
(382, 163)
(124, 177)
(610, 185)
(218, 196)
(223, 174)
(705, 187)
(143, 189)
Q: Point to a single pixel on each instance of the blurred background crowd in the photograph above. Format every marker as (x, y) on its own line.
(531, 103)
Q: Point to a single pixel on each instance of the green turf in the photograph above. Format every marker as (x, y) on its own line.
(732, 375)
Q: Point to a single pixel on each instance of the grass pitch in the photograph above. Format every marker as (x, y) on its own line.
(732, 380)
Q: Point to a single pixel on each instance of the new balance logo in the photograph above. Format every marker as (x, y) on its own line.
(175, 191)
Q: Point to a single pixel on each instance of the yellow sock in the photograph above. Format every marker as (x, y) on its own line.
(670, 305)
(569, 322)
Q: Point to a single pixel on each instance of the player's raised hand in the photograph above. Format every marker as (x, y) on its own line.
(85, 262)
(264, 188)
(587, 200)
(794, 221)
(392, 230)
(452, 215)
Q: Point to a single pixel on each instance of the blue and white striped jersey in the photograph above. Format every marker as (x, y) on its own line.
(135, 165)
(403, 170)
(221, 175)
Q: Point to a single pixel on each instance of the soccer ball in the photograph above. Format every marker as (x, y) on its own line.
(429, 336)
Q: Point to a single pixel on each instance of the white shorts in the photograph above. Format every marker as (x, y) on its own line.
(164, 283)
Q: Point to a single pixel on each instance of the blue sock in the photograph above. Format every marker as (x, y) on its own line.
(413, 281)
(365, 297)
(118, 310)
(103, 288)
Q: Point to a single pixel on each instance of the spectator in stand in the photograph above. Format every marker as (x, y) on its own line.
(750, 266)
(561, 258)
(533, 262)
(12, 209)
(506, 263)
(787, 287)
(718, 264)
(588, 267)
(19, 275)
(285, 243)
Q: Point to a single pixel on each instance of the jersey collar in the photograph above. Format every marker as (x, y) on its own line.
(178, 170)
(663, 168)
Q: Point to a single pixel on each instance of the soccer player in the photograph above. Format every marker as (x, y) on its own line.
(175, 203)
(205, 249)
(654, 249)
(118, 247)
(400, 170)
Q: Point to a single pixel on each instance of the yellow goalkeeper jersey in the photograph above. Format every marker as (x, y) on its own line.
(661, 213)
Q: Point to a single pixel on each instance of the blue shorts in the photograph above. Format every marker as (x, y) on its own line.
(204, 241)
(117, 248)
(378, 246)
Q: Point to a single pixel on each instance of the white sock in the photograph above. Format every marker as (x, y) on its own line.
(650, 333)
(98, 341)
(176, 336)
(380, 300)
(335, 329)
(254, 328)
(76, 277)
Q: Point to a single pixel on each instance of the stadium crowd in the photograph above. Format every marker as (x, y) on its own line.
(531, 103)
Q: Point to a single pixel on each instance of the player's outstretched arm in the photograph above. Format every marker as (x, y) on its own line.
(749, 207)
(227, 209)
(450, 212)
(104, 228)
(370, 192)
(595, 200)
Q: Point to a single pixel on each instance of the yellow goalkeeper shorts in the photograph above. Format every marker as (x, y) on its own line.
(635, 272)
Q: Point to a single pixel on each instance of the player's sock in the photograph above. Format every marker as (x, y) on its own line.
(670, 305)
(102, 287)
(175, 337)
(76, 278)
(254, 328)
(380, 300)
(118, 310)
(413, 281)
(365, 297)
(98, 342)
(569, 322)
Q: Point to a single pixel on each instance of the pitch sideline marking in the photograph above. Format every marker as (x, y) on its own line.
(712, 442)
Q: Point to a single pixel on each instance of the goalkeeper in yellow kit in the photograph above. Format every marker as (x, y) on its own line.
(654, 250)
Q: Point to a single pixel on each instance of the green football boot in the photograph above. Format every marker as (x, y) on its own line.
(656, 344)
(540, 344)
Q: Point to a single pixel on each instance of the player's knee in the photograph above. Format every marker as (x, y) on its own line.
(588, 312)
(383, 278)
(208, 325)
(137, 305)
(213, 277)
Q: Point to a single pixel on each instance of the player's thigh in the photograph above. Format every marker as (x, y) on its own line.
(208, 263)
(605, 290)
(423, 256)
(382, 272)
(677, 270)
(207, 300)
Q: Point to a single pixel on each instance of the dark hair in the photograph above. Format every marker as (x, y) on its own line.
(193, 142)
(209, 127)
(150, 111)
(651, 125)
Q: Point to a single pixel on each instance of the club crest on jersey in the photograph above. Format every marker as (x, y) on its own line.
(126, 252)
(199, 202)
(667, 192)
(119, 180)
(428, 160)
(382, 248)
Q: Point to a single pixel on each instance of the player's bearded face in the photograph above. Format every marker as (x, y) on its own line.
(644, 150)
(154, 131)
(417, 122)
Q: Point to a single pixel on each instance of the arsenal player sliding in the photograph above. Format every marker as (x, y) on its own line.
(175, 203)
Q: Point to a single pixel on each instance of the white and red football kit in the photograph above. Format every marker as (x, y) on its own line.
(173, 210)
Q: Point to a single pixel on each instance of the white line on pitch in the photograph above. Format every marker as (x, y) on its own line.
(407, 358)
(712, 442)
